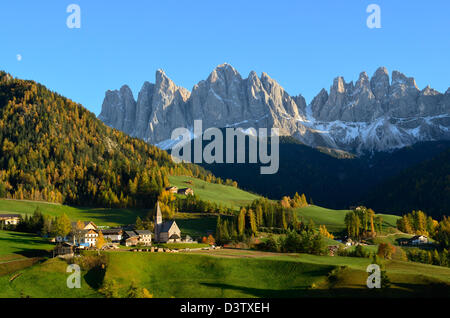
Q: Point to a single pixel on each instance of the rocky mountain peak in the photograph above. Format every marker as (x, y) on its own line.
(363, 80)
(224, 72)
(379, 83)
(428, 91)
(372, 114)
(338, 85)
(399, 78)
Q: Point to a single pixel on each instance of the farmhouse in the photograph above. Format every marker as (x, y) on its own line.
(186, 191)
(83, 234)
(172, 189)
(130, 238)
(113, 235)
(10, 219)
(166, 232)
(145, 237)
(418, 240)
(87, 225)
(89, 238)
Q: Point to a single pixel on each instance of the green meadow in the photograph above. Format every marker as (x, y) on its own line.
(100, 216)
(231, 273)
(190, 275)
(45, 280)
(22, 243)
(193, 224)
(227, 196)
(334, 219)
(196, 224)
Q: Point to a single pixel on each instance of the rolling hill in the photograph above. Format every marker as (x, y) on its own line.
(227, 196)
(231, 273)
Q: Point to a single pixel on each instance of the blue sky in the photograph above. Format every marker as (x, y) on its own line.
(301, 44)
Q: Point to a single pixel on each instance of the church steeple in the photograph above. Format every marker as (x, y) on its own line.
(158, 218)
(158, 222)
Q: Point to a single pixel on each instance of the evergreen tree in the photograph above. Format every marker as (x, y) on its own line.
(252, 221)
(241, 221)
(139, 225)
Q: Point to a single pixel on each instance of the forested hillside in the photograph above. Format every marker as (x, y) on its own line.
(338, 181)
(425, 186)
(53, 149)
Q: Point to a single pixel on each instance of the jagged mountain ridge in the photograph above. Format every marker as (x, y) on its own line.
(374, 114)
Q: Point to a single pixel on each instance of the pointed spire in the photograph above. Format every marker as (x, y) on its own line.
(158, 219)
(158, 222)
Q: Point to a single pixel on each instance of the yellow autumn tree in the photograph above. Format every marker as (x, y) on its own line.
(324, 232)
(100, 240)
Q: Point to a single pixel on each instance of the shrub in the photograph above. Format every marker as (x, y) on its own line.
(359, 251)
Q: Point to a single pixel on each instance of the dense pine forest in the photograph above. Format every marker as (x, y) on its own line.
(425, 186)
(55, 150)
(414, 177)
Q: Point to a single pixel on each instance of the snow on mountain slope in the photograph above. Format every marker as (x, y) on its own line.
(374, 114)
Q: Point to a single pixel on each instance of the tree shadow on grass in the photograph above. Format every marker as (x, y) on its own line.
(95, 276)
(33, 253)
(408, 290)
(262, 293)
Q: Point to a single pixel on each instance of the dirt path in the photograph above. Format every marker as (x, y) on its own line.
(390, 234)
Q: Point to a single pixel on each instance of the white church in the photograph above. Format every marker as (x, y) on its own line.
(166, 232)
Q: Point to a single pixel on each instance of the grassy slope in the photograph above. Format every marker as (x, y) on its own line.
(196, 224)
(221, 194)
(46, 280)
(22, 243)
(244, 274)
(334, 219)
(100, 216)
(185, 275)
(230, 273)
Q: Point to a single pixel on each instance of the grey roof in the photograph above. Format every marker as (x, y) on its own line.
(9, 215)
(143, 232)
(130, 233)
(165, 227)
(112, 231)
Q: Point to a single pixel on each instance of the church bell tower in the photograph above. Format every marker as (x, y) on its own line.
(158, 222)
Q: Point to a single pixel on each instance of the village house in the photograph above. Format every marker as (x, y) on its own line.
(87, 225)
(145, 237)
(84, 236)
(166, 232)
(130, 238)
(89, 238)
(113, 235)
(186, 191)
(418, 240)
(172, 189)
(10, 219)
